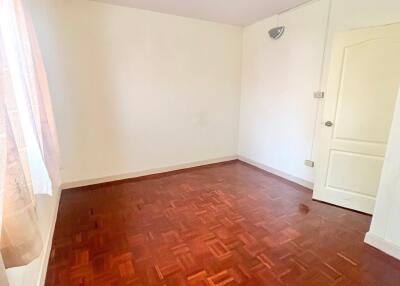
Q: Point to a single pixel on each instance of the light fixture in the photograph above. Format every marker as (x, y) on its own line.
(276, 32)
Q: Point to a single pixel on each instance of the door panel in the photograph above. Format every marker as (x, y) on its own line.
(363, 84)
(364, 169)
(370, 70)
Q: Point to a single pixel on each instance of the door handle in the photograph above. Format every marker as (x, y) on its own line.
(329, 123)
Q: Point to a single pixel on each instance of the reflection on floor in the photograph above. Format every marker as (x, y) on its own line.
(225, 224)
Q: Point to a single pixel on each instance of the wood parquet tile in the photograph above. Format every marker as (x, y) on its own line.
(221, 225)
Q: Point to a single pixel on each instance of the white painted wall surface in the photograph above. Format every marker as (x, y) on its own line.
(278, 113)
(132, 90)
(385, 228)
(279, 77)
(138, 90)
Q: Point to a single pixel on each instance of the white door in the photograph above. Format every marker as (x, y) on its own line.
(364, 80)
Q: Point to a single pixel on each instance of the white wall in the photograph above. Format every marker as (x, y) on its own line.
(278, 113)
(132, 90)
(385, 228)
(279, 77)
(138, 90)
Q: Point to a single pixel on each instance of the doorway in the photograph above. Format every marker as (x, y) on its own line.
(363, 83)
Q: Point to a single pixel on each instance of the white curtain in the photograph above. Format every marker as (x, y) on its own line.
(29, 159)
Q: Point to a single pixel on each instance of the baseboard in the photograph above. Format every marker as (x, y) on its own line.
(379, 243)
(82, 183)
(48, 244)
(299, 181)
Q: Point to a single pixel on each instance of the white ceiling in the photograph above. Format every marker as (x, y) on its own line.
(234, 12)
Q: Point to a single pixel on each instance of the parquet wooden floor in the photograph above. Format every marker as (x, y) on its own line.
(226, 224)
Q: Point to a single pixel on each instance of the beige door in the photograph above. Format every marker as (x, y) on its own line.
(364, 80)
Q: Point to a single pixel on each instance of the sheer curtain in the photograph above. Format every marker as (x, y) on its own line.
(29, 159)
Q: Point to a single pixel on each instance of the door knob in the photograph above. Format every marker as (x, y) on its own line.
(328, 123)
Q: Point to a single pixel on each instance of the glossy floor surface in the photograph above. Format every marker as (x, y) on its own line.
(227, 224)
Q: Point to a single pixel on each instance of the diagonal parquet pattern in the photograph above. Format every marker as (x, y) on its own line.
(225, 224)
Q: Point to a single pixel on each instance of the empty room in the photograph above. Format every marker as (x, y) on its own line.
(199, 142)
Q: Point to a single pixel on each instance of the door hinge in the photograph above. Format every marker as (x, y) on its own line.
(309, 163)
(319, 94)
